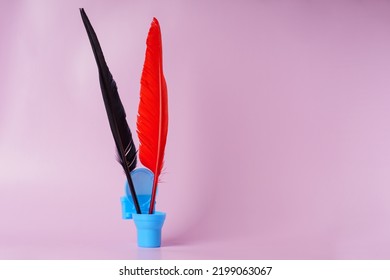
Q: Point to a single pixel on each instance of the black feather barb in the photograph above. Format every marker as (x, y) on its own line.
(127, 153)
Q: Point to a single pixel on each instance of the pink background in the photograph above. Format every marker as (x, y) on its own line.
(279, 140)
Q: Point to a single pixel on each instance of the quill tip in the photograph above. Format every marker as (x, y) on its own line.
(83, 14)
(155, 22)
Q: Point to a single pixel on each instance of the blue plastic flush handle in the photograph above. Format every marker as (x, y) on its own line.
(143, 184)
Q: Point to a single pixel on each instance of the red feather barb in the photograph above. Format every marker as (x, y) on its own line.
(152, 121)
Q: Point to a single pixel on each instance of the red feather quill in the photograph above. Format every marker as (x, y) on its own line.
(152, 121)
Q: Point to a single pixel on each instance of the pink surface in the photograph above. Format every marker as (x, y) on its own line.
(279, 137)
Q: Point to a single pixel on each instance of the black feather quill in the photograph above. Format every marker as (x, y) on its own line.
(127, 154)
